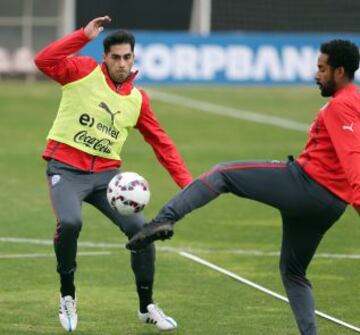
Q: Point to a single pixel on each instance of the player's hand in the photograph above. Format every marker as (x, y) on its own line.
(95, 27)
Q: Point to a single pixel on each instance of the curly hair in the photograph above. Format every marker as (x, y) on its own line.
(119, 37)
(342, 53)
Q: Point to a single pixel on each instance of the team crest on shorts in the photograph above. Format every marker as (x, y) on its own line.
(55, 179)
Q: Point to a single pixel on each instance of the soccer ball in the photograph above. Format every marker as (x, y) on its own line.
(128, 193)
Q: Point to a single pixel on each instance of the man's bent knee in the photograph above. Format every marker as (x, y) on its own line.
(214, 178)
(69, 226)
(291, 276)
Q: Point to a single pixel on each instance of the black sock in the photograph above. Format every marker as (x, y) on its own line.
(144, 290)
(67, 285)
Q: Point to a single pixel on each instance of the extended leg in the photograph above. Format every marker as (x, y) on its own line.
(269, 182)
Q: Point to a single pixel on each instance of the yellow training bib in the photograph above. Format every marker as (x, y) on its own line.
(95, 119)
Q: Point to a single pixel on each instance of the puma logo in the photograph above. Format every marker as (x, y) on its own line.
(349, 128)
(104, 106)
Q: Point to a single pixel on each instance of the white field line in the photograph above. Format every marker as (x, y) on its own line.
(261, 288)
(213, 108)
(184, 254)
(41, 255)
(240, 252)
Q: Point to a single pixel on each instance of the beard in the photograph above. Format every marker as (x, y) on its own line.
(119, 77)
(327, 89)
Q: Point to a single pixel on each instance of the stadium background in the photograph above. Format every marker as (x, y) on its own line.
(231, 115)
(247, 42)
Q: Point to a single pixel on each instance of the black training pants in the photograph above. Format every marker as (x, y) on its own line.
(69, 187)
(308, 210)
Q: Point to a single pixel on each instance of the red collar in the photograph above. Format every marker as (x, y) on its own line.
(125, 87)
(348, 88)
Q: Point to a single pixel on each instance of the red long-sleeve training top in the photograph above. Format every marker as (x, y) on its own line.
(57, 62)
(332, 153)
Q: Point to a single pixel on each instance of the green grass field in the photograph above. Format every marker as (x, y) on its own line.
(201, 300)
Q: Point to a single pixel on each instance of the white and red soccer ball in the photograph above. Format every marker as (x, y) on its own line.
(128, 193)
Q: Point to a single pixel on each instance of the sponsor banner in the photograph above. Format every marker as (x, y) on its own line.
(225, 58)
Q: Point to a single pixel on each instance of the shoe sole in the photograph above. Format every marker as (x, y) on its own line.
(146, 236)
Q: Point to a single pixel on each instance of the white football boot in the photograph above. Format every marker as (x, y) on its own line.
(157, 317)
(67, 313)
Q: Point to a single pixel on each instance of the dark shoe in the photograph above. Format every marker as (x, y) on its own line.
(152, 231)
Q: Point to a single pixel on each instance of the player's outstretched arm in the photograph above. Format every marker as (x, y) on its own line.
(57, 60)
(95, 27)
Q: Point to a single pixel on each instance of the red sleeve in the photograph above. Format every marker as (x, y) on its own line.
(162, 145)
(57, 62)
(343, 124)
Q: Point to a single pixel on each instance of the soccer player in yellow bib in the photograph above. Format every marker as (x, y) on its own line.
(98, 108)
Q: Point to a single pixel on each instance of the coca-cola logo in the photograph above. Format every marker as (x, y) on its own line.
(101, 145)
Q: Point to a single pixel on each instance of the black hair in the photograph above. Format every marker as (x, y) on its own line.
(342, 53)
(119, 37)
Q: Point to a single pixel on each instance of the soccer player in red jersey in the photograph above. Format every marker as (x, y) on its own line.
(310, 192)
(99, 106)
